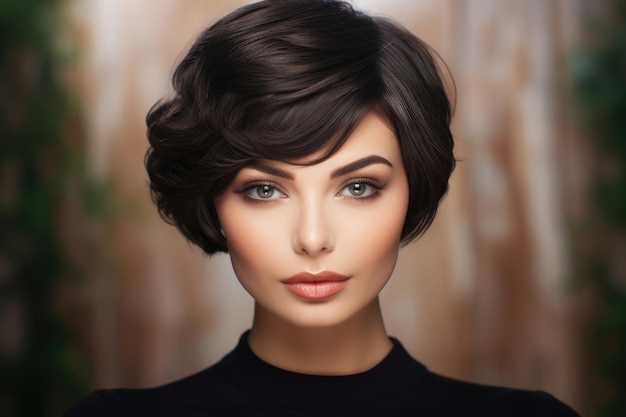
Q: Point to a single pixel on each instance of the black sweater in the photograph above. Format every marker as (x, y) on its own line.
(242, 385)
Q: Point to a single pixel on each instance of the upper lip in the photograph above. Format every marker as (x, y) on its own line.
(323, 276)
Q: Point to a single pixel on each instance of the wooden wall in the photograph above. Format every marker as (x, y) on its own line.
(481, 296)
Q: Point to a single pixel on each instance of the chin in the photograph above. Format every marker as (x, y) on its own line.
(321, 315)
(316, 323)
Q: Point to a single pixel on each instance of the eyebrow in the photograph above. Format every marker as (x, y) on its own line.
(341, 171)
(358, 164)
(271, 170)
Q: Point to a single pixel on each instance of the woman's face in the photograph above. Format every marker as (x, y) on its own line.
(314, 245)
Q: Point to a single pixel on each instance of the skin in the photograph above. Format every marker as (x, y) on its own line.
(281, 219)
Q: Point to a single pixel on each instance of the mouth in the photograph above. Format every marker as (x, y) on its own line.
(318, 286)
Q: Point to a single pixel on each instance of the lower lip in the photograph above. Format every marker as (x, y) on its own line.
(318, 290)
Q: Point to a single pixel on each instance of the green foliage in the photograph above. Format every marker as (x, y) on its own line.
(599, 84)
(39, 371)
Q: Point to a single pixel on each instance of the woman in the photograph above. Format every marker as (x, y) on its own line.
(309, 141)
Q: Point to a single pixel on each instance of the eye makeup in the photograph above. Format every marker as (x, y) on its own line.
(260, 192)
(363, 189)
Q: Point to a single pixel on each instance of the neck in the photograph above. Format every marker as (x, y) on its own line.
(347, 348)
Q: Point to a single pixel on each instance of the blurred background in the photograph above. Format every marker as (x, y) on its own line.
(521, 280)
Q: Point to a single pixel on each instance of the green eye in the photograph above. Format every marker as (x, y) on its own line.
(261, 192)
(362, 189)
(264, 191)
(357, 189)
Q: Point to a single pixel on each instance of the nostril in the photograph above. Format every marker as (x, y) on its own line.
(313, 244)
(312, 233)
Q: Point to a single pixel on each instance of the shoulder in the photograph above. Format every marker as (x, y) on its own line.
(486, 400)
(206, 390)
(101, 403)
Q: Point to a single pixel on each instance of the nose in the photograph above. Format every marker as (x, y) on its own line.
(312, 233)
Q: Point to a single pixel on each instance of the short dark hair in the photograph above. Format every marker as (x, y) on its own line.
(281, 79)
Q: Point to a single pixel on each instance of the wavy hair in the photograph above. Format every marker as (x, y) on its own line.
(280, 80)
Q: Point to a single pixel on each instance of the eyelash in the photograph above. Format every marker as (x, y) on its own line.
(246, 188)
(369, 182)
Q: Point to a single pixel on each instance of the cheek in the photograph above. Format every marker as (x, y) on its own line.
(385, 235)
(374, 235)
(250, 239)
(385, 219)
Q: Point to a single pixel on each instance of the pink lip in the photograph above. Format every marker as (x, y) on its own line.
(318, 286)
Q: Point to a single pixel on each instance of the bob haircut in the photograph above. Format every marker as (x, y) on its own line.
(280, 80)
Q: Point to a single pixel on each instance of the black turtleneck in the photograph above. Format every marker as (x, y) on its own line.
(242, 384)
